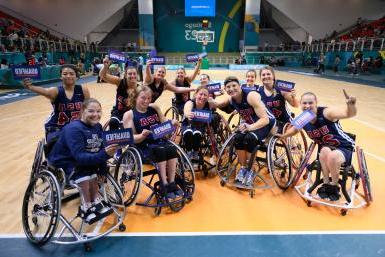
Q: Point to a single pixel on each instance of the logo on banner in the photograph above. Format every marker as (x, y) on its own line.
(160, 60)
(163, 129)
(303, 119)
(215, 87)
(121, 137)
(22, 72)
(192, 57)
(116, 56)
(248, 89)
(284, 85)
(202, 116)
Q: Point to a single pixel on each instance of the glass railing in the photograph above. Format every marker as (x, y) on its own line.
(369, 44)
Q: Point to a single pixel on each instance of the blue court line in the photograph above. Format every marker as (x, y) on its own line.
(20, 94)
(323, 245)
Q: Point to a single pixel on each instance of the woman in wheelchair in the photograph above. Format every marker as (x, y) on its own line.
(193, 131)
(257, 124)
(157, 82)
(81, 154)
(335, 146)
(184, 81)
(124, 92)
(251, 76)
(274, 99)
(140, 119)
(66, 100)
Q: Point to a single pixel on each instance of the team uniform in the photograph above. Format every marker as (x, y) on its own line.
(245, 141)
(328, 133)
(181, 98)
(157, 90)
(248, 88)
(277, 106)
(158, 150)
(192, 130)
(80, 151)
(64, 111)
(121, 104)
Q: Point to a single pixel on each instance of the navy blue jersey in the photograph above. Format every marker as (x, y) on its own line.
(245, 110)
(145, 121)
(328, 133)
(248, 88)
(64, 109)
(123, 96)
(79, 146)
(196, 124)
(276, 105)
(156, 91)
(181, 98)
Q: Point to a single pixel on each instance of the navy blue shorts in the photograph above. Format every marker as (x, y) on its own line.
(348, 153)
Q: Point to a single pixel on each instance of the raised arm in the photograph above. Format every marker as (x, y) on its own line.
(108, 77)
(86, 92)
(148, 78)
(172, 87)
(196, 71)
(51, 93)
(335, 113)
(291, 98)
(187, 110)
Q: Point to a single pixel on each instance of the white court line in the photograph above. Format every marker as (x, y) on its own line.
(231, 233)
(369, 125)
(375, 156)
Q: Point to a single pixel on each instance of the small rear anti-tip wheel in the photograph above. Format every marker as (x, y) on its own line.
(223, 183)
(252, 193)
(122, 227)
(308, 203)
(87, 247)
(344, 212)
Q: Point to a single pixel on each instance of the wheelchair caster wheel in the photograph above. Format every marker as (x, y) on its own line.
(157, 211)
(87, 247)
(223, 183)
(308, 203)
(343, 212)
(122, 227)
(252, 193)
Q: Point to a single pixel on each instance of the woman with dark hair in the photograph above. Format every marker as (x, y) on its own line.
(66, 100)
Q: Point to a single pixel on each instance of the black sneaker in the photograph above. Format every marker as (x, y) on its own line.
(103, 208)
(323, 191)
(334, 193)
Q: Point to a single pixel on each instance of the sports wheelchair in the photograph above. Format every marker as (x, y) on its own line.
(297, 144)
(44, 201)
(214, 134)
(349, 182)
(129, 172)
(276, 159)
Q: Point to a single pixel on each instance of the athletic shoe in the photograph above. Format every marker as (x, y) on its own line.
(334, 193)
(241, 175)
(323, 191)
(249, 178)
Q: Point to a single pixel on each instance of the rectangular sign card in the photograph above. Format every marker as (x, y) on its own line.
(163, 129)
(121, 137)
(202, 116)
(304, 118)
(284, 85)
(22, 72)
(116, 56)
(214, 87)
(192, 57)
(158, 60)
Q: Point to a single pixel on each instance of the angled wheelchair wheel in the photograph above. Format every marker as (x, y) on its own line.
(297, 145)
(185, 175)
(223, 131)
(128, 175)
(41, 208)
(111, 191)
(364, 174)
(279, 163)
(227, 161)
(234, 121)
(303, 164)
(172, 113)
(37, 161)
(106, 126)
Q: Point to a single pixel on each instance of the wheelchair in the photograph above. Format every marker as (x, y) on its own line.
(214, 135)
(349, 182)
(44, 210)
(130, 174)
(272, 154)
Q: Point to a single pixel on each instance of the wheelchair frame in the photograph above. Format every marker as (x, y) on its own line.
(352, 198)
(270, 147)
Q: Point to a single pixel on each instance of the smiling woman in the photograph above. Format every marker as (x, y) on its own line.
(66, 100)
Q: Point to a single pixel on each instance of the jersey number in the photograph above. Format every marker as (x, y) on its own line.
(63, 118)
